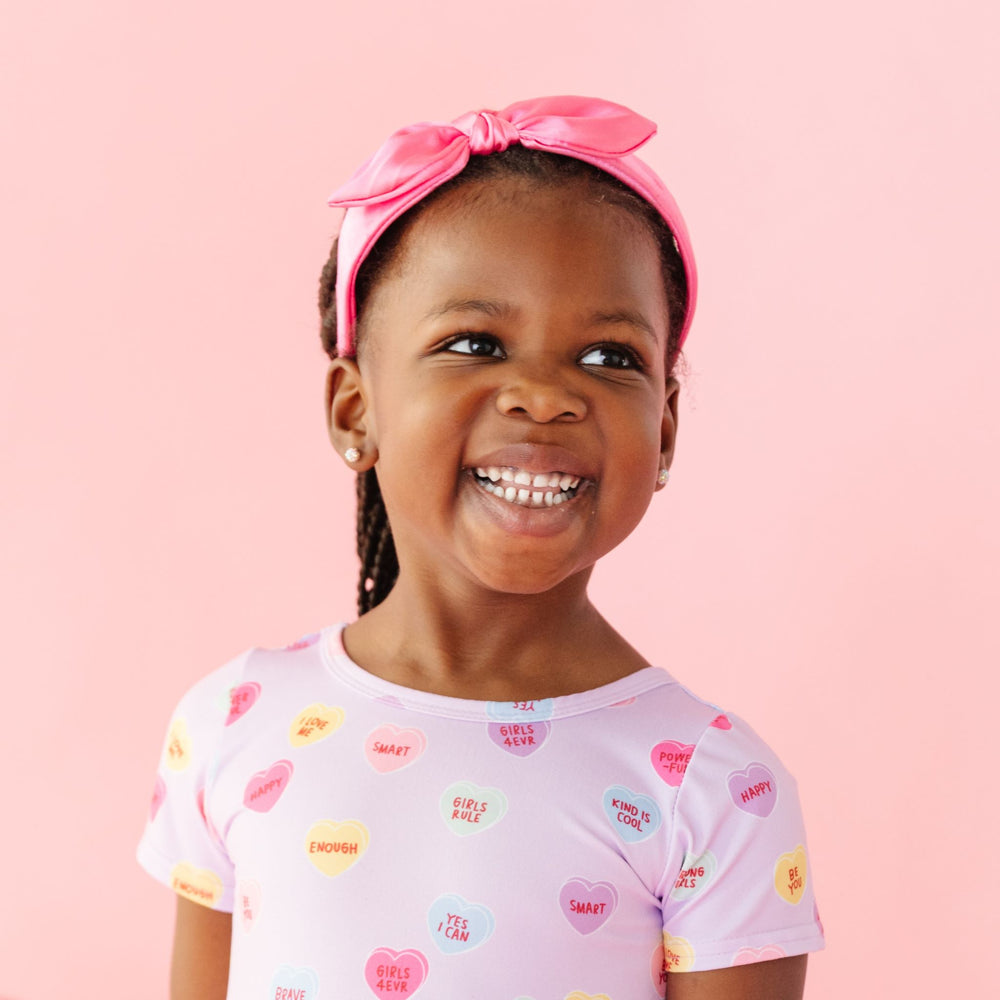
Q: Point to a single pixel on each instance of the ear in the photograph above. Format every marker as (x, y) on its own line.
(668, 427)
(348, 416)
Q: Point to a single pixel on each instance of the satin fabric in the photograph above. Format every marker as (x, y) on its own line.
(415, 160)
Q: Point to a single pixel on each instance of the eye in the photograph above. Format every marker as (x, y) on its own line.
(479, 345)
(611, 356)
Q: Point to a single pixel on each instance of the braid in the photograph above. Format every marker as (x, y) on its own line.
(375, 547)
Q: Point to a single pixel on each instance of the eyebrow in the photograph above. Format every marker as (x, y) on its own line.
(491, 307)
(499, 310)
(627, 316)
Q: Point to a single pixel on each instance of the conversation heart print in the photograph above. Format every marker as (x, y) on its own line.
(304, 643)
(678, 953)
(658, 969)
(754, 789)
(206, 818)
(457, 925)
(159, 794)
(580, 995)
(334, 847)
(790, 875)
(670, 760)
(519, 739)
(633, 817)
(587, 905)
(467, 809)
(696, 872)
(197, 884)
(265, 787)
(241, 699)
(247, 904)
(290, 983)
(177, 753)
(520, 711)
(391, 973)
(389, 748)
(748, 956)
(314, 723)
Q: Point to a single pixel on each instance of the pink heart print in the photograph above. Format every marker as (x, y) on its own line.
(754, 789)
(247, 903)
(748, 955)
(587, 905)
(241, 700)
(200, 800)
(520, 739)
(391, 973)
(670, 760)
(265, 787)
(302, 643)
(388, 748)
(658, 970)
(159, 794)
(721, 722)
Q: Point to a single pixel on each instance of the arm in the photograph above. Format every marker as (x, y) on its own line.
(780, 979)
(200, 967)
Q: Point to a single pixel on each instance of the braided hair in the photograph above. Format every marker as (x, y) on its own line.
(375, 546)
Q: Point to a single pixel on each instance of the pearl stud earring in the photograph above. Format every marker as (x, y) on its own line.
(352, 455)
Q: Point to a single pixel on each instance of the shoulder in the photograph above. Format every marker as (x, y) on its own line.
(707, 730)
(716, 737)
(721, 767)
(219, 700)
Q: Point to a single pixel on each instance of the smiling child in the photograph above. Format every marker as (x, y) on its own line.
(478, 788)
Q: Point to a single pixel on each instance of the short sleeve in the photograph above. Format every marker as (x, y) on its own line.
(180, 847)
(742, 888)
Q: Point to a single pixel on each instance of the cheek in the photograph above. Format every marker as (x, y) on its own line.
(639, 434)
(418, 434)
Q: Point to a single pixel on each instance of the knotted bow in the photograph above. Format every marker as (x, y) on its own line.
(419, 158)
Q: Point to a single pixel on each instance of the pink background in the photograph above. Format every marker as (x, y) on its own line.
(822, 560)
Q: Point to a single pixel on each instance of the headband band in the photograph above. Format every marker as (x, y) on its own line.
(419, 158)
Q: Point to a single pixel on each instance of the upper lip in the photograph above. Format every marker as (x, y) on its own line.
(535, 458)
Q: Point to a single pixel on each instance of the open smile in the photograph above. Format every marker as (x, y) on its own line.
(527, 489)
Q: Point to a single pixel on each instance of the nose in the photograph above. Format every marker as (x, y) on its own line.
(542, 395)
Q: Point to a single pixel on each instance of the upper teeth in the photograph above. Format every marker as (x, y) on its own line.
(548, 489)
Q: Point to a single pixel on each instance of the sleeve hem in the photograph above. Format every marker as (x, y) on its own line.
(757, 948)
(155, 864)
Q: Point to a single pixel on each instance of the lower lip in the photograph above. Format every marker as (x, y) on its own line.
(540, 522)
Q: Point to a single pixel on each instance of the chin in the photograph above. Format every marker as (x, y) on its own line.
(504, 580)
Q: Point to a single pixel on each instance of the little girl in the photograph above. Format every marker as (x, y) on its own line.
(478, 789)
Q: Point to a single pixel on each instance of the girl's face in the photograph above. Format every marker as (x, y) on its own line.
(516, 345)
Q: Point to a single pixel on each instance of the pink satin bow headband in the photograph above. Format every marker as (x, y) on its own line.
(419, 158)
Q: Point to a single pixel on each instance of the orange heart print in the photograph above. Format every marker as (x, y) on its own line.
(334, 847)
(314, 723)
(678, 953)
(790, 875)
(177, 754)
(197, 884)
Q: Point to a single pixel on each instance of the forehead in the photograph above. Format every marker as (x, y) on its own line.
(525, 241)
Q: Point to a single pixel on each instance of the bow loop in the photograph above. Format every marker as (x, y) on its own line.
(580, 125)
(410, 158)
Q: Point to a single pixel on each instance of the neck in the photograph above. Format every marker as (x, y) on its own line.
(491, 646)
